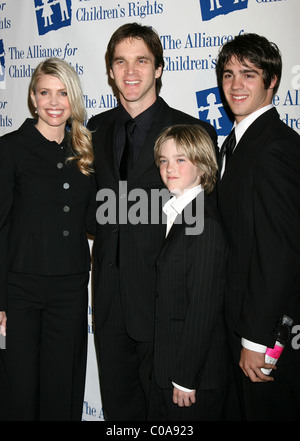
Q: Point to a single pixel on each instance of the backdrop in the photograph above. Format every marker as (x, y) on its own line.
(191, 32)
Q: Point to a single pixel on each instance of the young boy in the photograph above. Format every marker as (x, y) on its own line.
(190, 375)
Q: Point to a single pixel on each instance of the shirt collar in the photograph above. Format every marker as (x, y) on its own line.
(179, 203)
(143, 117)
(246, 122)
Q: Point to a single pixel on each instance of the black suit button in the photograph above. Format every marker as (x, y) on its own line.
(66, 186)
(66, 233)
(59, 165)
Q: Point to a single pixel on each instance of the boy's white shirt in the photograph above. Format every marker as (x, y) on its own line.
(176, 205)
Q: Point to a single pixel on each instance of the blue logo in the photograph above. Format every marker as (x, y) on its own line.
(2, 65)
(52, 14)
(212, 8)
(211, 109)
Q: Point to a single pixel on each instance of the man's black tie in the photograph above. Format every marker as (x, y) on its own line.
(228, 146)
(127, 156)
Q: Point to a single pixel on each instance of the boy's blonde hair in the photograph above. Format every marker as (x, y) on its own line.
(194, 143)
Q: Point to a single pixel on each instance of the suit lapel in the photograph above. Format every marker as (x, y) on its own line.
(178, 227)
(173, 233)
(108, 145)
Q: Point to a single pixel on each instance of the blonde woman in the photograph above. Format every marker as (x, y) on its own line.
(47, 205)
(190, 377)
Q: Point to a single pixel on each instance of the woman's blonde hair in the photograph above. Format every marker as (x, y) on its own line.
(81, 138)
(194, 143)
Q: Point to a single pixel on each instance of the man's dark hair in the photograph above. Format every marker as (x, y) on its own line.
(147, 34)
(256, 49)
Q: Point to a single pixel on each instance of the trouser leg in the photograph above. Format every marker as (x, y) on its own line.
(125, 367)
(47, 344)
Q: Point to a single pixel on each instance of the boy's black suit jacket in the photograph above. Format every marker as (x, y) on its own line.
(190, 346)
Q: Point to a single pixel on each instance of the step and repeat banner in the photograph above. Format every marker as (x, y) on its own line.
(191, 33)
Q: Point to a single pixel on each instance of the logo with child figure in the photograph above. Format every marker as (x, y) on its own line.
(52, 14)
(212, 8)
(211, 109)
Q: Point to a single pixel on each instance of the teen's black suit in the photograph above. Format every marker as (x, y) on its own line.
(124, 254)
(259, 202)
(190, 346)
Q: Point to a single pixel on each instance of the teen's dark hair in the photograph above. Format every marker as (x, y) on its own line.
(258, 50)
(146, 33)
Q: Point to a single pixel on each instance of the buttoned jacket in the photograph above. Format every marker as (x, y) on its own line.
(46, 207)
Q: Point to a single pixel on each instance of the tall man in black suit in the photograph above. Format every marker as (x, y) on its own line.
(259, 202)
(125, 253)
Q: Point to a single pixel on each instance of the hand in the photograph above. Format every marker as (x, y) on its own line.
(183, 399)
(251, 363)
(3, 320)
